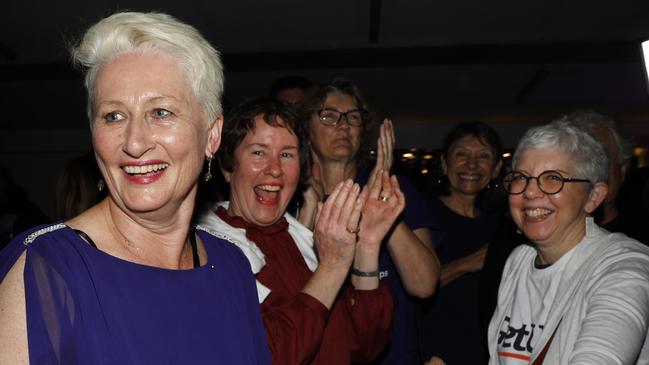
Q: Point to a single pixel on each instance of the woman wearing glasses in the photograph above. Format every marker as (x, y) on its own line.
(577, 293)
(339, 131)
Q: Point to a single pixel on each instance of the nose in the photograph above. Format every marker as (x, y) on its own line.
(472, 161)
(137, 138)
(532, 189)
(342, 125)
(274, 167)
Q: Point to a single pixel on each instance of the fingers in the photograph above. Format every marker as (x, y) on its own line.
(375, 188)
(318, 211)
(355, 216)
(390, 134)
(380, 152)
(327, 212)
(347, 210)
(386, 190)
(338, 202)
(387, 143)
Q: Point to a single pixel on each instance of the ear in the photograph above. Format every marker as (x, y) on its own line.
(596, 196)
(214, 136)
(497, 168)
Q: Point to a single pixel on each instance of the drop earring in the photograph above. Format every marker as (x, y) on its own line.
(101, 185)
(590, 226)
(208, 174)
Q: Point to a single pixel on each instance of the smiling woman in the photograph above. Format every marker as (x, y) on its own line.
(130, 281)
(577, 294)
(310, 314)
(471, 159)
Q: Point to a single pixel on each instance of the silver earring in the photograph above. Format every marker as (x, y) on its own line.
(208, 174)
(101, 185)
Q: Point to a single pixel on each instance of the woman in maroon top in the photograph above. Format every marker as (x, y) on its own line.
(312, 312)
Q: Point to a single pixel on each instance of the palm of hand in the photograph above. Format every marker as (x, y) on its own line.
(377, 219)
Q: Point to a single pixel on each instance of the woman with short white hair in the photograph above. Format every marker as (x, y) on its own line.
(130, 281)
(577, 294)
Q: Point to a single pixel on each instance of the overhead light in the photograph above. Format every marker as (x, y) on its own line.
(408, 155)
(506, 154)
(424, 171)
(645, 58)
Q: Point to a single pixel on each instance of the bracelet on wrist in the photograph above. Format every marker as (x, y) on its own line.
(365, 274)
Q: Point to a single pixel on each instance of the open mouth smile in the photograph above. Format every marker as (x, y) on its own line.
(267, 194)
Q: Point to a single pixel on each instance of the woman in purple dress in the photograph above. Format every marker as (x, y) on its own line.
(129, 281)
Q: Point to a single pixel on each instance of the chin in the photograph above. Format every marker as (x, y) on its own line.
(537, 236)
(268, 219)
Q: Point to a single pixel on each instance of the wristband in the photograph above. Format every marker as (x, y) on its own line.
(365, 274)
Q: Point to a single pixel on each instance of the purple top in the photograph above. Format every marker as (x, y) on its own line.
(85, 306)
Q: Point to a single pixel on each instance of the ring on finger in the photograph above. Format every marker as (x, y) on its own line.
(383, 198)
(353, 231)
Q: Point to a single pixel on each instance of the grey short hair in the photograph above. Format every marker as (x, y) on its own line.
(589, 157)
(132, 32)
(590, 120)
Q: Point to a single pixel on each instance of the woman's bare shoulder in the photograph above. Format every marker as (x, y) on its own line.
(13, 332)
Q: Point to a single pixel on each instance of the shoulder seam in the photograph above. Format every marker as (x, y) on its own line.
(34, 235)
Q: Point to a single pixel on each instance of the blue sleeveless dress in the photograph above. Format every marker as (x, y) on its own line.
(87, 307)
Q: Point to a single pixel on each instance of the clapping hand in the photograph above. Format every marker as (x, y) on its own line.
(384, 201)
(384, 150)
(336, 225)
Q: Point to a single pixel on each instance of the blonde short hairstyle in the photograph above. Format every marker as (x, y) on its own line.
(132, 32)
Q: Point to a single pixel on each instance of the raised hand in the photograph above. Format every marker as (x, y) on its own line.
(384, 150)
(336, 225)
(384, 202)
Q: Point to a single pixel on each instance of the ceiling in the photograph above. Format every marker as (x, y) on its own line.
(418, 61)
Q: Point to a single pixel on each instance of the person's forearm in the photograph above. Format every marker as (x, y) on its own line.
(464, 265)
(451, 271)
(325, 283)
(366, 260)
(294, 328)
(415, 260)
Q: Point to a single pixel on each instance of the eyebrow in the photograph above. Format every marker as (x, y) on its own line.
(266, 145)
(148, 100)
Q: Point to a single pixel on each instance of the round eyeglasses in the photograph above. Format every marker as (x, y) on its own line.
(332, 117)
(549, 182)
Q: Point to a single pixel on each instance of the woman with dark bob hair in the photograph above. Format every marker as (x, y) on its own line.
(450, 322)
(339, 127)
(310, 312)
(130, 280)
(577, 294)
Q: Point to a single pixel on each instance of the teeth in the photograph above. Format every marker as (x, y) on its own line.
(537, 212)
(145, 169)
(469, 177)
(272, 188)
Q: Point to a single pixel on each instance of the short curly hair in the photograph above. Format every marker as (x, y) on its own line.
(241, 121)
(589, 157)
